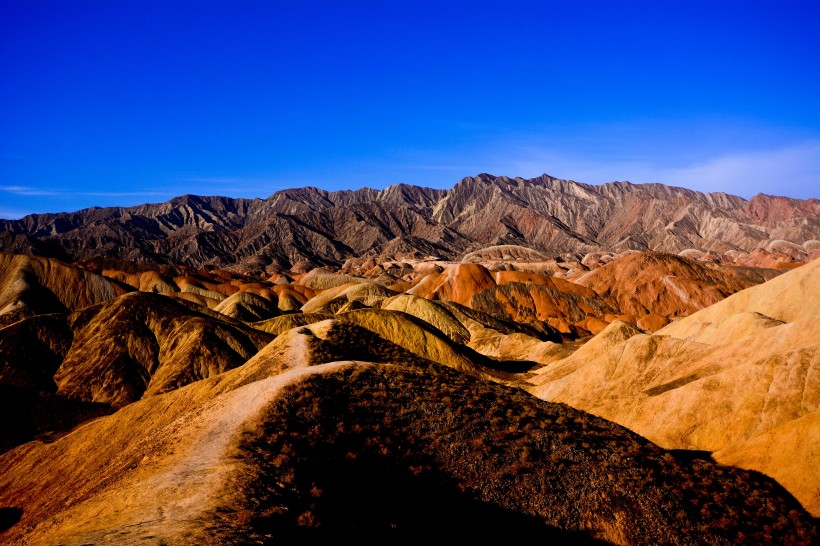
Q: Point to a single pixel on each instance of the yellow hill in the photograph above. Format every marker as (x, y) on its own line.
(725, 378)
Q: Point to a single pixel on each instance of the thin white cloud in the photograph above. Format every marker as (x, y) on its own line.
(27, 191)
(30, 191)
(125, 193)
(791, 171)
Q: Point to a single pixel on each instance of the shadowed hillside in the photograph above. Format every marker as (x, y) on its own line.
(374, 450)
(33, 286)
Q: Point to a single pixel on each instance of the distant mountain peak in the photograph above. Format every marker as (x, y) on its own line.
(553, 217)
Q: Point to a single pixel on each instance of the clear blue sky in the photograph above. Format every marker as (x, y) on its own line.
(119, 103)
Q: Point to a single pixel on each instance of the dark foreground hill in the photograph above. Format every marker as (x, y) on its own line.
(376, 451)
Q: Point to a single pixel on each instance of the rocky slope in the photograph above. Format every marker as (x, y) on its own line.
(650, 289)
(34, 286)
(545, 216)
(740, 378)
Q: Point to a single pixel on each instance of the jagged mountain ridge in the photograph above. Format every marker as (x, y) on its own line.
(552, 216)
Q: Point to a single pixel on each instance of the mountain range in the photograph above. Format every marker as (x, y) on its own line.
(537, 219)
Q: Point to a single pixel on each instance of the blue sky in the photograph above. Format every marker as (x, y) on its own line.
(120, 103)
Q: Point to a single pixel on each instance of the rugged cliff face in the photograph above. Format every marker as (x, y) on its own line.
(545, 215)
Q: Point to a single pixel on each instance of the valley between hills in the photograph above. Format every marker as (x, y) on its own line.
(616, 364)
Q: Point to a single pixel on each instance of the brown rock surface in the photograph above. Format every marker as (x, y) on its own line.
(661, 284)
(517, 296)
(456, 282)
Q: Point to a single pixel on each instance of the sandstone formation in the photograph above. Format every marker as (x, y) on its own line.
(140, 345)
(32, 286)
(316, 404)
(248, 306)
(643, 286)
(740, 378)
(647, 289)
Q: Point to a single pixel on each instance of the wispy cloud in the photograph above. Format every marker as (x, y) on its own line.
(27, 191)
(791, 171)
(127, 193)
(31, 191)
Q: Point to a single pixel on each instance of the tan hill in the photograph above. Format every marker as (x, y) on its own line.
(739, 378)
(286, 322)
(320, 279)
(355, 449)
(32, 285)
(332, 299)
(487, 335)
(143, 344)
(419, 338)
(430, 312)
(248, 307)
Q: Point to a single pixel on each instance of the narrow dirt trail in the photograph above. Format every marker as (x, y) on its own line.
(163, 502)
